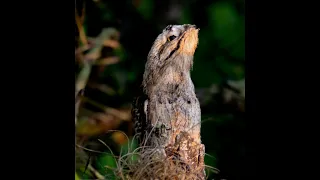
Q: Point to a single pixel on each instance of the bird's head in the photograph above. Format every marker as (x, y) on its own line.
(175, 41)
(174, 48)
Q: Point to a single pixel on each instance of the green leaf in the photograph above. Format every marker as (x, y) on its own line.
(107, 160)
(84, 174)
(77, 177)
(129, 148)
(105, 165)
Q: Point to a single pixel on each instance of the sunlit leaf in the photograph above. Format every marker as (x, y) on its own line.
(77, 177)
(119, 137)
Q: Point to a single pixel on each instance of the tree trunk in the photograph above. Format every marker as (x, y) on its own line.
(172, 141)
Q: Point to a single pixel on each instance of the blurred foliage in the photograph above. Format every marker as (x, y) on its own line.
(112, 42)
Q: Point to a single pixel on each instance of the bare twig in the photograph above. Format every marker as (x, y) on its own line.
(78, 101)
(103, 88)
(108, 61)
(82, 35)
(95, 172)
(115, 112)
(83, 77)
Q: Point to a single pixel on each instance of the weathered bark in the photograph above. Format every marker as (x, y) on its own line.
(174, 126)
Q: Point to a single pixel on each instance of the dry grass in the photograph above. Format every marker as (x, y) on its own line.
(144, 163)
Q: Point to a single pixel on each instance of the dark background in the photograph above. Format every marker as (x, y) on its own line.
(111, 50)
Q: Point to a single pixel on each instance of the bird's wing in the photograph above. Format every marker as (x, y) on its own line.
(139, 116)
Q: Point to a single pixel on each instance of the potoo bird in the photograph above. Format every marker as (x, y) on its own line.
(168, 111)
(167, 115)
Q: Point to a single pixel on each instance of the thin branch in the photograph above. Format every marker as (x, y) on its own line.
(82, 35)
(96, 173)
(115, 112)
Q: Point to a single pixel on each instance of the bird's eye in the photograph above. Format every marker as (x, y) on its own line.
(171, 38)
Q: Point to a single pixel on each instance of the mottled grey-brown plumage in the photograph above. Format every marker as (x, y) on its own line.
(168, 113)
